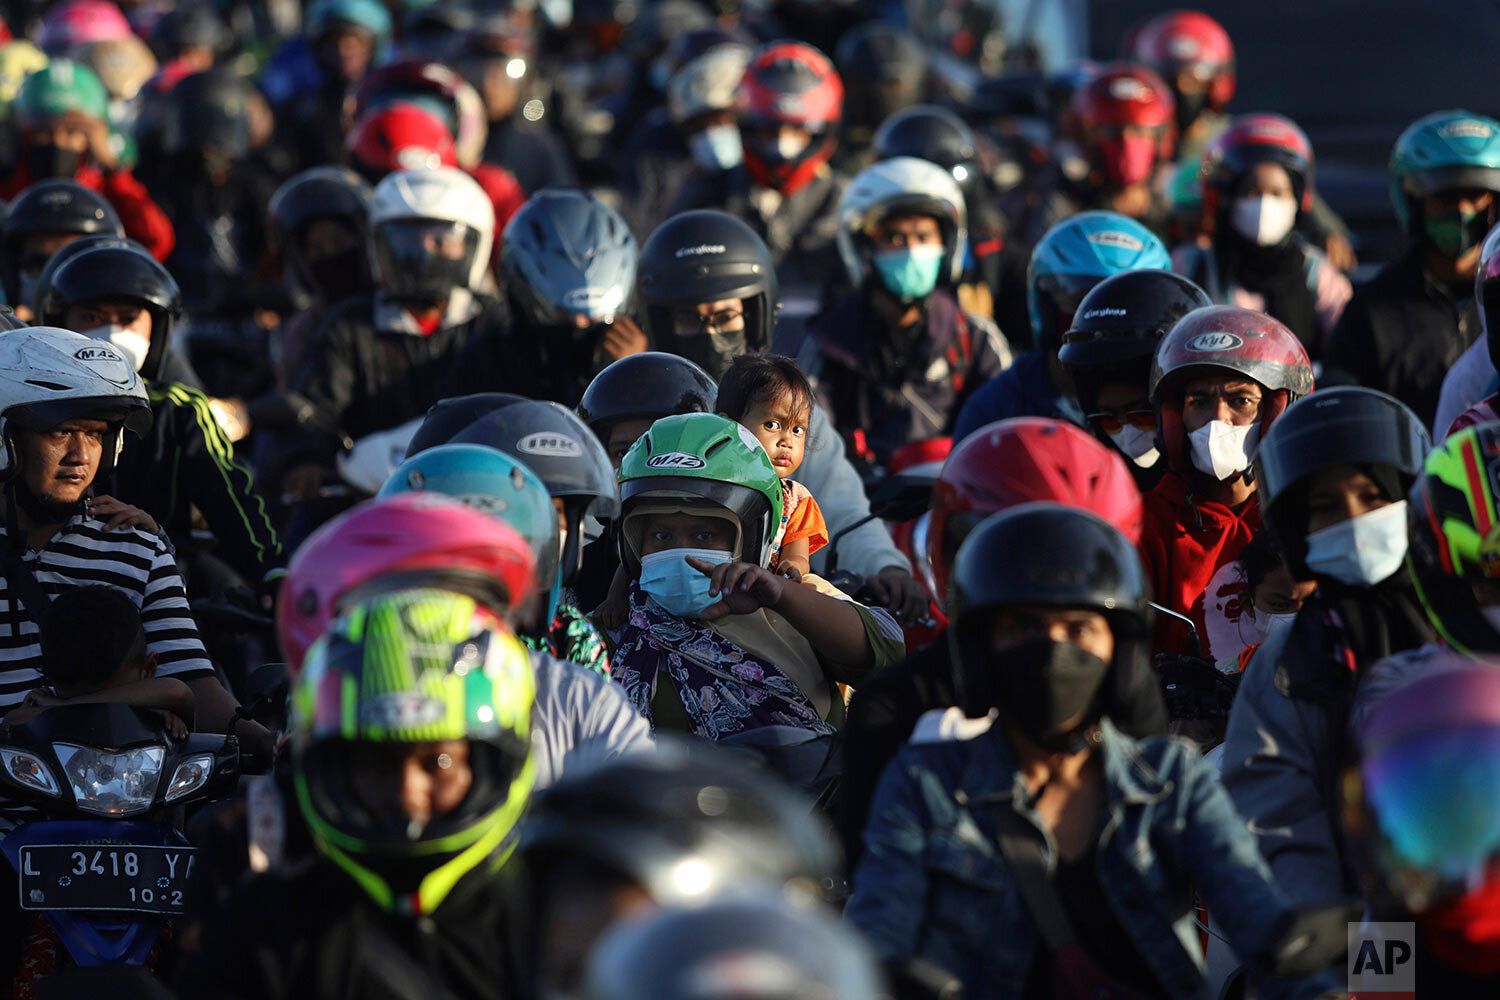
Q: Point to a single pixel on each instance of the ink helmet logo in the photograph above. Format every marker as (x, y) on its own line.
(549, 444)
(1117, 239)
(1210, 343)
(675, 460)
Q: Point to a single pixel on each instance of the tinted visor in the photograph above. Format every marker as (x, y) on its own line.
(424, 259)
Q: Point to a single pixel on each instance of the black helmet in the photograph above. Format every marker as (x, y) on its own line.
(566, 254)
(192, 26)
(1054, 556)
(208, 114)
(431, 30)
(1347, 425)
(551, 440)
(113, 271)
(319, 193)
(760, 947)
(642, 815)
(46, 208)
(65, 254)
(448, 417)
(708, 256)
(1119, 324)
(884, 69)
(934, 134)
(646, 386)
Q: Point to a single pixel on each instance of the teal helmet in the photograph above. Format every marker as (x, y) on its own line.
(63, 85)
(1440, 152)
(497, 484)
(1074, 256)
(324, 16)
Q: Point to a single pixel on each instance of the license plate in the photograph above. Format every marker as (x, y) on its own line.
(144, 878)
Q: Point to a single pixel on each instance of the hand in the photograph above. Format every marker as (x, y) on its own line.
(791, 572)
(1340, 252)
(175, 727)
(303, 482)
(899, 592)
(121, 515)
(742, 587)
(41, 698)
(97, 130)
(623, 337)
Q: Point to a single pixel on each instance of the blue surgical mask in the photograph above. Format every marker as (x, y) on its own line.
(676, 586)
(1363, 550)
(717, 147)
(911, 272)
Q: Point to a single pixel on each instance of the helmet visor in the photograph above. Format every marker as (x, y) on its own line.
(424, 259)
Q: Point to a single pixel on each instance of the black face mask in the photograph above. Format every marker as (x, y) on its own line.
(51, 161)
(1188, 108)
(338, 276)
(1043, 685)
(711, 351)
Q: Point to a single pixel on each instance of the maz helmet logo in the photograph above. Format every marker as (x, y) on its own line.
(675, 460)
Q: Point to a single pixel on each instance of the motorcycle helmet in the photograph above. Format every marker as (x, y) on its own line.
(63, 85)
(1188, 40)
(936, 135)
(564, 454)
(497, 484)
(428, 31)
(568, 254)
(1252, 139)
(707, 83)
(884, 69)
(761, 947)
(1487, 290)
(123, 65)
(448, 417)
(902, 186)
(208, 118)
(1125, 96)
(1025, 460)
(396, 137)
(439, 90)
(196, 26)
(370, 17)
(708, 256)
(645, 386)
(1345, 425)
(1223, 340)
(413, 667)
(43, 209)
(69, 26)
(789, 83)
(126, 273)
(1074, 256)
(684, 461)
(425, 540)
(1049, 555)
(1119, 325)
(65, 254)
(322, 193)
(18, 60)
(414, 208)
(1443, 151)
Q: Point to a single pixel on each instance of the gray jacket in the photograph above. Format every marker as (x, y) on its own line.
(831, 479)
(581, 719)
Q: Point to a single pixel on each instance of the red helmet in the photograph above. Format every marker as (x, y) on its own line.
(1252, 139)
(1218, 340)
(419, 81)
(917, 458)
(788, 83)
(1125, 95)
(414, 539)
(1187, 39)
(398, 137)
(1022, 460)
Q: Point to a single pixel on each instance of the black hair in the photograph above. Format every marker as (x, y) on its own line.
(89, 634)
(761, 376)
(1260, 557)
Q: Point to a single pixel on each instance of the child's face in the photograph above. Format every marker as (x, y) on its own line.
(781, 428)
(686, 531)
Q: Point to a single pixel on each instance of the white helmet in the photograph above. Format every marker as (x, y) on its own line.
(402, 264)
(902, 185)
(707, 83)
(49, 375)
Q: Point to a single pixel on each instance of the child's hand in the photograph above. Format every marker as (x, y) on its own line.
(744, 587)
(612, 612)
(791, 572)
(41, 698)
(176, 728)
(121, 515)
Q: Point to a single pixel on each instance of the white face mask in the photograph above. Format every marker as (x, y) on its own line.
(1363, 550)
(131, 344)
(789, 144)
(717, 147)
(1264, 220)
(1137, 445)
(1269, 625)
(1223, 450)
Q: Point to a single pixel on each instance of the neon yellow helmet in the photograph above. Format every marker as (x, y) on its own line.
(408, 668)
(18, 60)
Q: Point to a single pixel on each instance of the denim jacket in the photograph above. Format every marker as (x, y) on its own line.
(933, 883)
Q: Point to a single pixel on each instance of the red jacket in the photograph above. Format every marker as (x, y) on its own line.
(143, 218)
(1188, 543)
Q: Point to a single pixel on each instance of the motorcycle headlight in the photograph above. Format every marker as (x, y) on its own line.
(190, 775)
(28, 771)
(111, 782)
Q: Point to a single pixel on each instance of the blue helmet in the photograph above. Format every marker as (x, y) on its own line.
(326, 15)
(491, 481)
(1074, 256)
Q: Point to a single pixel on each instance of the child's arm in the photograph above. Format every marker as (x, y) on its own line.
(166, 693)
(794, 561)
(611, 614)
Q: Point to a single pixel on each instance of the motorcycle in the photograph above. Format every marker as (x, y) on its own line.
(98, 852)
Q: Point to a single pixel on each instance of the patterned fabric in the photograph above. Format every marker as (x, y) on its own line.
(724, 689)
(573, 637)
(801, 517)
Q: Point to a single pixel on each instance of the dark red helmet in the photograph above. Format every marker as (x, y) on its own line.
(789, 83)
(398, 137)
(1126, 96)
(1023, 460)
(1252, 139)
(1187, 39)
(1218, 340)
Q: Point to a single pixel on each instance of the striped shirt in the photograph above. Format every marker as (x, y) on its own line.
(131, 561)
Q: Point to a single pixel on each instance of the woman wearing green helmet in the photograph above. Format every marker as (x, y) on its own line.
(715, 643)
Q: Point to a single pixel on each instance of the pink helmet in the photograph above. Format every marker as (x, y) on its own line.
(414, 539)
(77, 23)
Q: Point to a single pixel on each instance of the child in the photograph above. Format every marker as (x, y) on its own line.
(1271, 599)
(94, 651)
(770, 395)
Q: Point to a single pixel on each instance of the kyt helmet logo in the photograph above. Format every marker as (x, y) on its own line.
(675, 460)
(1208, 343)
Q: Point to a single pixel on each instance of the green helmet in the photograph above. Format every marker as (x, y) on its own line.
(701, 457)
(1440, 152)
(63, 85)
(412, 667)
(1185, 193)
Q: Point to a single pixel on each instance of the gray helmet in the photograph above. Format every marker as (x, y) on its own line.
(568, 254)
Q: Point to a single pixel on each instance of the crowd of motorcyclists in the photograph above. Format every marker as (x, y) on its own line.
(729, 498)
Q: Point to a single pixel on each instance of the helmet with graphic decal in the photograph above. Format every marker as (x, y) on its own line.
(1126, 117)
(687, 461)
(1194, 56)
(789, 84)
(414, 674)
